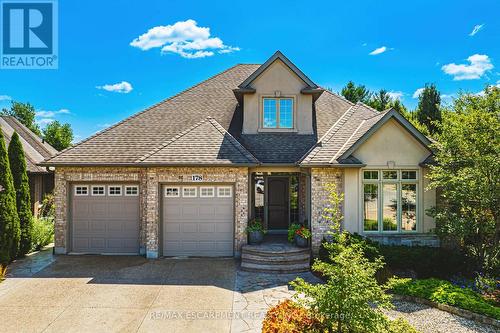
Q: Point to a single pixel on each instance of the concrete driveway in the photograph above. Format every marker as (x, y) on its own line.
(131, 294)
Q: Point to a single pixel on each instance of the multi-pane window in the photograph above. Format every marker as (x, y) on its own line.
(277, 113)
(390, 200)
(98, 190)
(189, 192)
(114, 190)
(224, 191)
(81, 190)
(207, 192)
(172, 192)
(132, 190)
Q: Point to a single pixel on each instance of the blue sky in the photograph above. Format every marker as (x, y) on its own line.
(108, 72)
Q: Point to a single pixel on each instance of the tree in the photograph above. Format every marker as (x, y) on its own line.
(429, 108)
(58, 135)
(8, 212)
(468, 176)
(355, 93)
(21, 184)
(398, 106)
(381, 100)
(25, 113)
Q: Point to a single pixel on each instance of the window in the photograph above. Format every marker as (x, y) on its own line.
(277, 113)
(189, 192)
(172, 192)
(98, 190)
(207, 192)
(81, 190)
(132, 191)
(224, 191)
(115, 190)
(390, 203)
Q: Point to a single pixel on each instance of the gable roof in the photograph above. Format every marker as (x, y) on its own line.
(277, 56)
(350, 131)
(35, 149)
(205, 143)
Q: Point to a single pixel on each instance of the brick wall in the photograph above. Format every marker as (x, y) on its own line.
(320, 177)
(149, 180)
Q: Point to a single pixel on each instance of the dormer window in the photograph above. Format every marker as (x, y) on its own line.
(277, 112)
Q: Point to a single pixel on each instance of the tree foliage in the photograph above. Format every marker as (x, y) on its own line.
(468, 176)
(9, 221)
(429, 108)
(25, 113)
(380, 100)
(58, 135)
(355, 93)
(21, 184)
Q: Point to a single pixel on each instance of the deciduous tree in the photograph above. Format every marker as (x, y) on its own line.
(25, 113)
(58, 135)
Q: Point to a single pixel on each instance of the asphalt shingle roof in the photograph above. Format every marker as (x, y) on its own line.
(35, 149)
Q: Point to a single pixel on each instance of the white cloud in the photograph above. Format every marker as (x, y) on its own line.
(476, 29)
(396, 94)
(50, 114)
(417, 93)
(5, 98)
(378, 51)
(479, 65)
(122, 87)
(45, 121)
(184, 38)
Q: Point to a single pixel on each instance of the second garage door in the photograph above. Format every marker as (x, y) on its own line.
(198, 220)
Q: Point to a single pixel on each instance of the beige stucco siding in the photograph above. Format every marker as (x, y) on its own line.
(277, 77)
(391, 146)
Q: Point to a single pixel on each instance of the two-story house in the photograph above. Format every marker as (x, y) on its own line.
(184, 177)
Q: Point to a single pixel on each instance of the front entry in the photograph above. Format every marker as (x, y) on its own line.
(278, 203)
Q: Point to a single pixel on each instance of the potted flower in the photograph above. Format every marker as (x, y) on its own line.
(301, 236)
(291, 231)
(255, 231)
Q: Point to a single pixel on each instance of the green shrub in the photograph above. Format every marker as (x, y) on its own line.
(444, 292)
(369, 247)
(48, 208)
(289, 317)
(23, 199)
(43, 232)
(400, 325)
(426, 261)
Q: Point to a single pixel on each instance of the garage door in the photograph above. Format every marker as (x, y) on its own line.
(198, 220)
(105, 218)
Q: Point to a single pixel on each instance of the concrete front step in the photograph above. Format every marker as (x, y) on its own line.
(290, 268)
(281, 259)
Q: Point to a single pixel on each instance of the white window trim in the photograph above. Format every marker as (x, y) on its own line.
(380, 200)
(277, 128)
(225, 187)
(115, 195)
(136, 187)
(172, 196)
(205, 188)
(190, 196)
(79, 194)
(97, 195)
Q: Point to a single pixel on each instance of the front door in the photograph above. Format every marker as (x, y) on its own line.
(277, 203)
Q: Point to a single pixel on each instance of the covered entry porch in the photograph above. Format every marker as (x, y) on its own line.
(279, 197)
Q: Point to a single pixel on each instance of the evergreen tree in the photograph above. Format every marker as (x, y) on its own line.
(381, 100)
(21, 185)
(8, 211)
(355, 93)
(429, 107)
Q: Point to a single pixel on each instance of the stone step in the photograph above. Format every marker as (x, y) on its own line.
(295, 268)
(282, 258)
(272, 252)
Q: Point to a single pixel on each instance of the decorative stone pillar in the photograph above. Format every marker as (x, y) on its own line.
(320, 177)
(151, 213)
(61, 204)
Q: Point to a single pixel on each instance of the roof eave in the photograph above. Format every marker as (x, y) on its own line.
(151, 164)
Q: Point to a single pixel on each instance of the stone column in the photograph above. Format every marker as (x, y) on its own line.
(61, 204)
(151, 213)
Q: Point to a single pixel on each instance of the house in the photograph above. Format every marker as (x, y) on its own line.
(41, 180)
(184, 177)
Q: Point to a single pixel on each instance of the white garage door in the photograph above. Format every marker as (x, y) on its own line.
(105, 218)
(198, 220)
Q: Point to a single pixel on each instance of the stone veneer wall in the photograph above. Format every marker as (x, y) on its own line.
(149, 180)
(320, 177)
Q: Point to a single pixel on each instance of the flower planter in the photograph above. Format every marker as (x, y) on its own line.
(300, 241)
(255, 237)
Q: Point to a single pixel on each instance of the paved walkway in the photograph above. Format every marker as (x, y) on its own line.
(43, 293)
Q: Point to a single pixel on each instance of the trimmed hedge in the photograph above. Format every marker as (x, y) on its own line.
(444, 292)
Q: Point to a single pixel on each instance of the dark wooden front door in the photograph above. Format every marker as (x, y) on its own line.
(277, 203)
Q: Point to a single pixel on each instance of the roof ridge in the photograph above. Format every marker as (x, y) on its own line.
(368, 107)
(142, 112)
(170, 141)
(232, 139)
(346, 141)
(338, 96)
(380, 113)
(33, 135)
